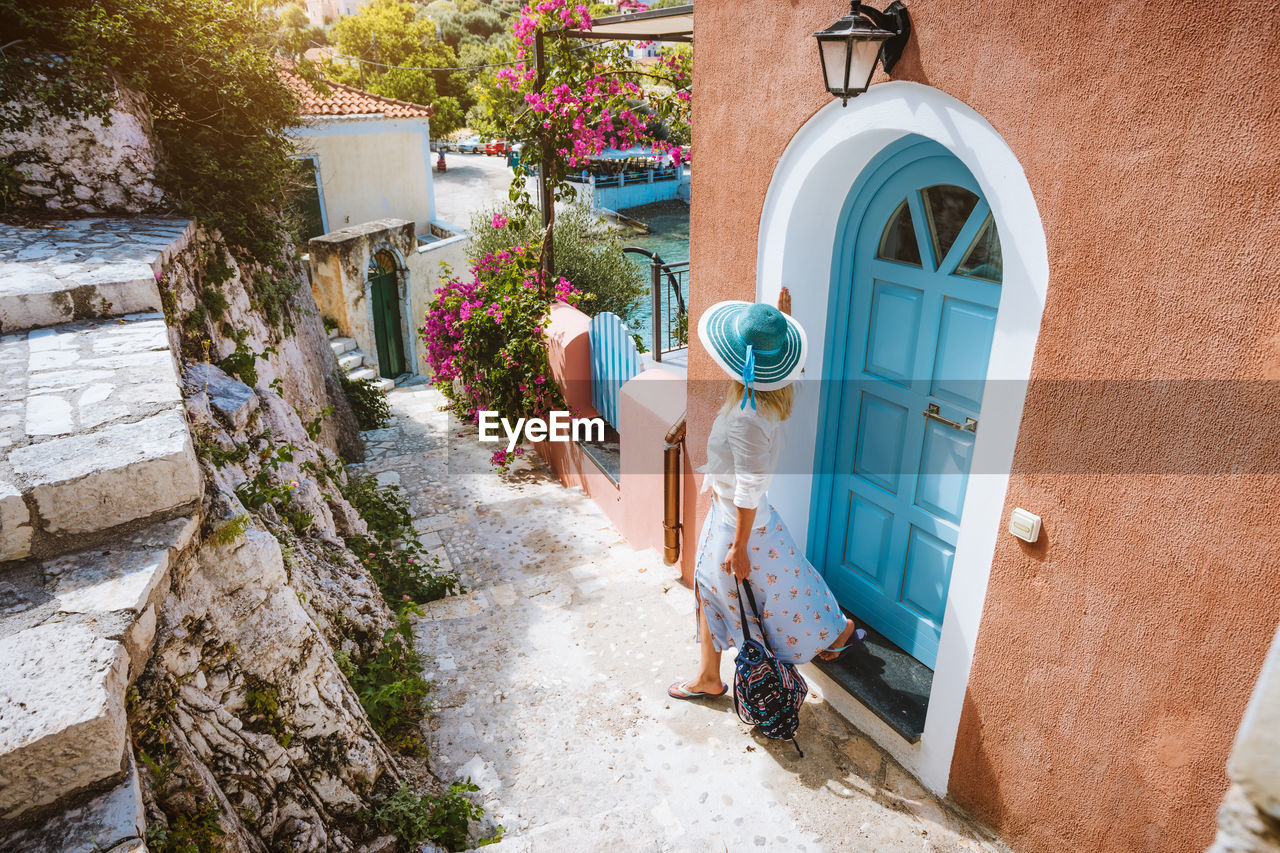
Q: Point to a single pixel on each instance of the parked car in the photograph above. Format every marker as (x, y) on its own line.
(470, 145)
(497, 146)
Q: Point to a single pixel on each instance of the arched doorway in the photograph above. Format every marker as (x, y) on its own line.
(384, 295)
(918, 287)
(806, 212)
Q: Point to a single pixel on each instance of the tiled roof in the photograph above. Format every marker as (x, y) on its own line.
(346, 100)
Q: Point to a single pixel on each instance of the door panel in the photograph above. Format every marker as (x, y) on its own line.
(893, 330)
(944, 470)
(912, 336)
(881, 430)
(928, 569)
(867, 542)
(964, 347)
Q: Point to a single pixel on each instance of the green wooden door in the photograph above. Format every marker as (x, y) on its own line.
(386, 315)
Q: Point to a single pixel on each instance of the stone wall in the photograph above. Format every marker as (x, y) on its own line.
(86, 166)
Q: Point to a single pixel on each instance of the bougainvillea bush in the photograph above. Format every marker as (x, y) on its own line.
(485, 336)
(590, 97)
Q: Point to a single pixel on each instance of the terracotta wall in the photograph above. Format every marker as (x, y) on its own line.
(1116, 656)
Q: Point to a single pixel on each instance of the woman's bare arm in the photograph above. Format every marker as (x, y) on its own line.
(738, 560)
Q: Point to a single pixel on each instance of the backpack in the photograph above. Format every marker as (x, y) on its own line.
(767, 692)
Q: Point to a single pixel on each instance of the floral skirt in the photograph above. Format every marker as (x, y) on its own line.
(800, 613)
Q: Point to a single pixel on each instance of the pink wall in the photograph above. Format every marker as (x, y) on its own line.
(1115, 656)
(650, 404)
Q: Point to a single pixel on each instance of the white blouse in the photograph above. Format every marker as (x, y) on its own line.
(742, 454)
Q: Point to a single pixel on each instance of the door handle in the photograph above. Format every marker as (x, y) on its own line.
(935, 414)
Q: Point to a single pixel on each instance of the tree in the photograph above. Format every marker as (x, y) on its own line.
(219, 108)
(396, 54)
(295, 34)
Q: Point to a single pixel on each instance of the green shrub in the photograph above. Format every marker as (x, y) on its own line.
(405, 575)
(230, 531)
(367, 401)
(241, 362)
(587, 252)
(384, 508)
(263, 703)
(391, 688)
(418, 818)
(198, 832)
(272, 293)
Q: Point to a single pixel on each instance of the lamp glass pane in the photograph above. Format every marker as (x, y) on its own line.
(865, 53)
(833, 62)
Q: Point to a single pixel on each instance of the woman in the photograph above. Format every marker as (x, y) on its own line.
(744, 539)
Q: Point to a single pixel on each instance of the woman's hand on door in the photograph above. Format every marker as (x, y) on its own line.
(784, 301)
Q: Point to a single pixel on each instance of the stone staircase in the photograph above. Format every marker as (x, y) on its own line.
(99, 494)
(356, 363)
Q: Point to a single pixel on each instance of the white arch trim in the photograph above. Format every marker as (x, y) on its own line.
(796, 243)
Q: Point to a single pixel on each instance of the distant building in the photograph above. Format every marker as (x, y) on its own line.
(367, 157)
(324, 12)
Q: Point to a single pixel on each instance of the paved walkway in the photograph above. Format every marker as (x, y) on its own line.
(551, 675)
(471, 182)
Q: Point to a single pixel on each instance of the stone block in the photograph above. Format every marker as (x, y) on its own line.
(113, 821)
(233, 398)
(15, 524)
(42, 300)
(62, 715)
(121, 473)
(97, 582)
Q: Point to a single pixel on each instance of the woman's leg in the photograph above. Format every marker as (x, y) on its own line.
(708, 677)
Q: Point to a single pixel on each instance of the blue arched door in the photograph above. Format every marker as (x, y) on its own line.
(916, 289)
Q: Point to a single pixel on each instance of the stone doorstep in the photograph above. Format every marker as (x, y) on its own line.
(102, 822)
(124, 472)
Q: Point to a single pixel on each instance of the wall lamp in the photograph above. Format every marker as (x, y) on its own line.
(850, 47)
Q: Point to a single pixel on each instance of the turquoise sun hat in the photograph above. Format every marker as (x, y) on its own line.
(754, 343)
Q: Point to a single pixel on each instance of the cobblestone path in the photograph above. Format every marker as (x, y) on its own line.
(551, 676)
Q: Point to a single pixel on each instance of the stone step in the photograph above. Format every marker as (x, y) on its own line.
(82, 269)
(114, 822)
(384, 385)
(62, 705)
(77, 630)
(92, 425)
(341, 345)
(351, 361)
(363, 373)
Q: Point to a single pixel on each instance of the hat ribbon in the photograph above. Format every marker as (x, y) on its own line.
(749, 376)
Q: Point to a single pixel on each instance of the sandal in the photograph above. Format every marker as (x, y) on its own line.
(859, 635)
(677, 691)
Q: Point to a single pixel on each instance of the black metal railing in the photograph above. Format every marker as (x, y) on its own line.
(668, 295)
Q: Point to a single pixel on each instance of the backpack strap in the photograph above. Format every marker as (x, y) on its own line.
(751, 599)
